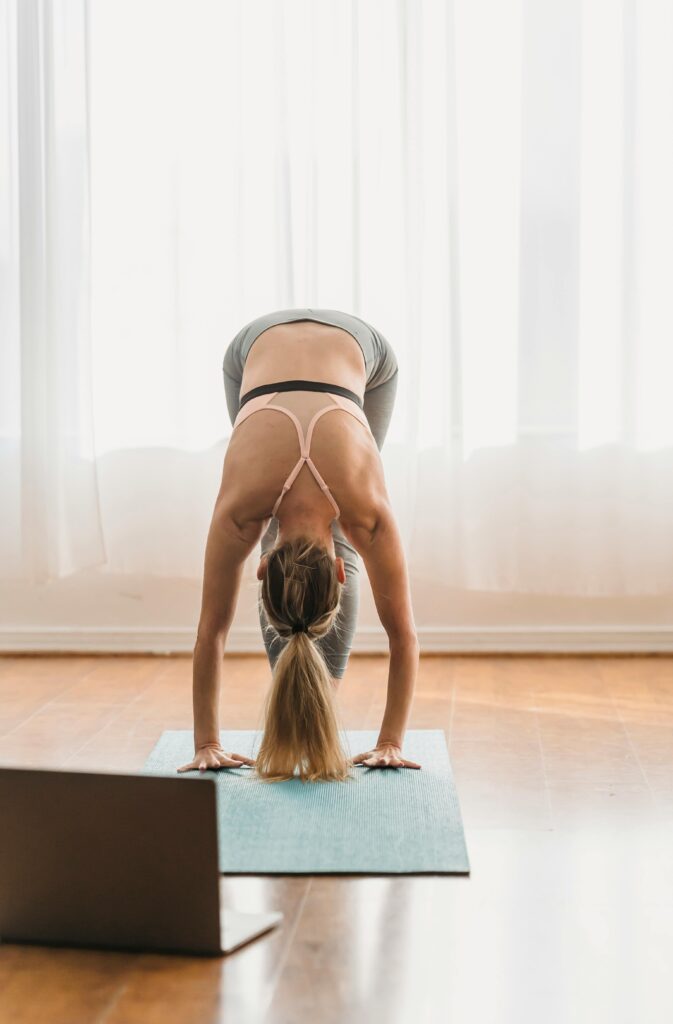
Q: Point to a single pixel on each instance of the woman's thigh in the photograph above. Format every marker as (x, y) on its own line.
(232, 388)
(337, 643)
(379, 403)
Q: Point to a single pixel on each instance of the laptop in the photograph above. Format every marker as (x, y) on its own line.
(115, 861)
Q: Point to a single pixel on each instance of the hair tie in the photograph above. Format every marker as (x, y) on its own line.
(299, 627)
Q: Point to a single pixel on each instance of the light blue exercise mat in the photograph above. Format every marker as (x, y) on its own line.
(401, 821)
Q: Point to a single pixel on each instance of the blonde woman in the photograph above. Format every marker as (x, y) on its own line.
(311, 488)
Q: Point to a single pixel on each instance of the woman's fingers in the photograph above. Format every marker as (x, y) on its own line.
(365, 758)
(216, 759)
(244, 759)
(370, 758)
(380, 759)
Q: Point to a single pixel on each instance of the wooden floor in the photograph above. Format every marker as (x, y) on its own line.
(564, 768)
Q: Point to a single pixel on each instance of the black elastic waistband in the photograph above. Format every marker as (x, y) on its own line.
(300, 385)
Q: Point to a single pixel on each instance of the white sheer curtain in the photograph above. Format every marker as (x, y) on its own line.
(488, 181)
(50, 519)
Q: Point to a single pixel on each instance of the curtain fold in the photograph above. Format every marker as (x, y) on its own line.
(487, 181)
(51, 526)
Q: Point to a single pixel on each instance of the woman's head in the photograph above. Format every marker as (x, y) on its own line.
(301, 591)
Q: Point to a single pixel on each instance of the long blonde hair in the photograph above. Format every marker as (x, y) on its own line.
(301, 586)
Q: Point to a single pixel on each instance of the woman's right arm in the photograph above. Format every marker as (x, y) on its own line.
(227, 548)
(385, 562)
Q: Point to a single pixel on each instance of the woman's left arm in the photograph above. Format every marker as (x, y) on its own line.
(385, 562)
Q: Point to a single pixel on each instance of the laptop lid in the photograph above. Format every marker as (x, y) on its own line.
(106, 859)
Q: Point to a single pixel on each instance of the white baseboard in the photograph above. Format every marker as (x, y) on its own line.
(433, 640)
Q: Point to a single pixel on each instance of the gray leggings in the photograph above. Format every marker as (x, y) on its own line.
(379, 399)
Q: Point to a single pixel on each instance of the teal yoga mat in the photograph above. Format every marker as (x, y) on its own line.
(386, 821)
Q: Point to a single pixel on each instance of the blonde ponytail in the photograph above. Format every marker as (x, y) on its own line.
(301, 730)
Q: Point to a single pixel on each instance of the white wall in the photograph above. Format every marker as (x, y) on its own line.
(99, 611)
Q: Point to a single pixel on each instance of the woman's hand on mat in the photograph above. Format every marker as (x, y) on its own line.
(385, 755)
(212, 756)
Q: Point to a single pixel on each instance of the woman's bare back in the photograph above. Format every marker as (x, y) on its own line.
(265, 447)
(305, 350)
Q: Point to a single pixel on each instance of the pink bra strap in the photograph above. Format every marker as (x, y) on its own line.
(352, 408)
(262, 402)
(305, 457)
(252, 406)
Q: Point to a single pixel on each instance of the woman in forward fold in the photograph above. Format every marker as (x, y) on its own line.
(310, 402)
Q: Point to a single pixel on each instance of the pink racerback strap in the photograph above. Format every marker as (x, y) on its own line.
(262, 402)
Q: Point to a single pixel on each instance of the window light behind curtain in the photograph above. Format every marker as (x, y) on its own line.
(485, 180)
